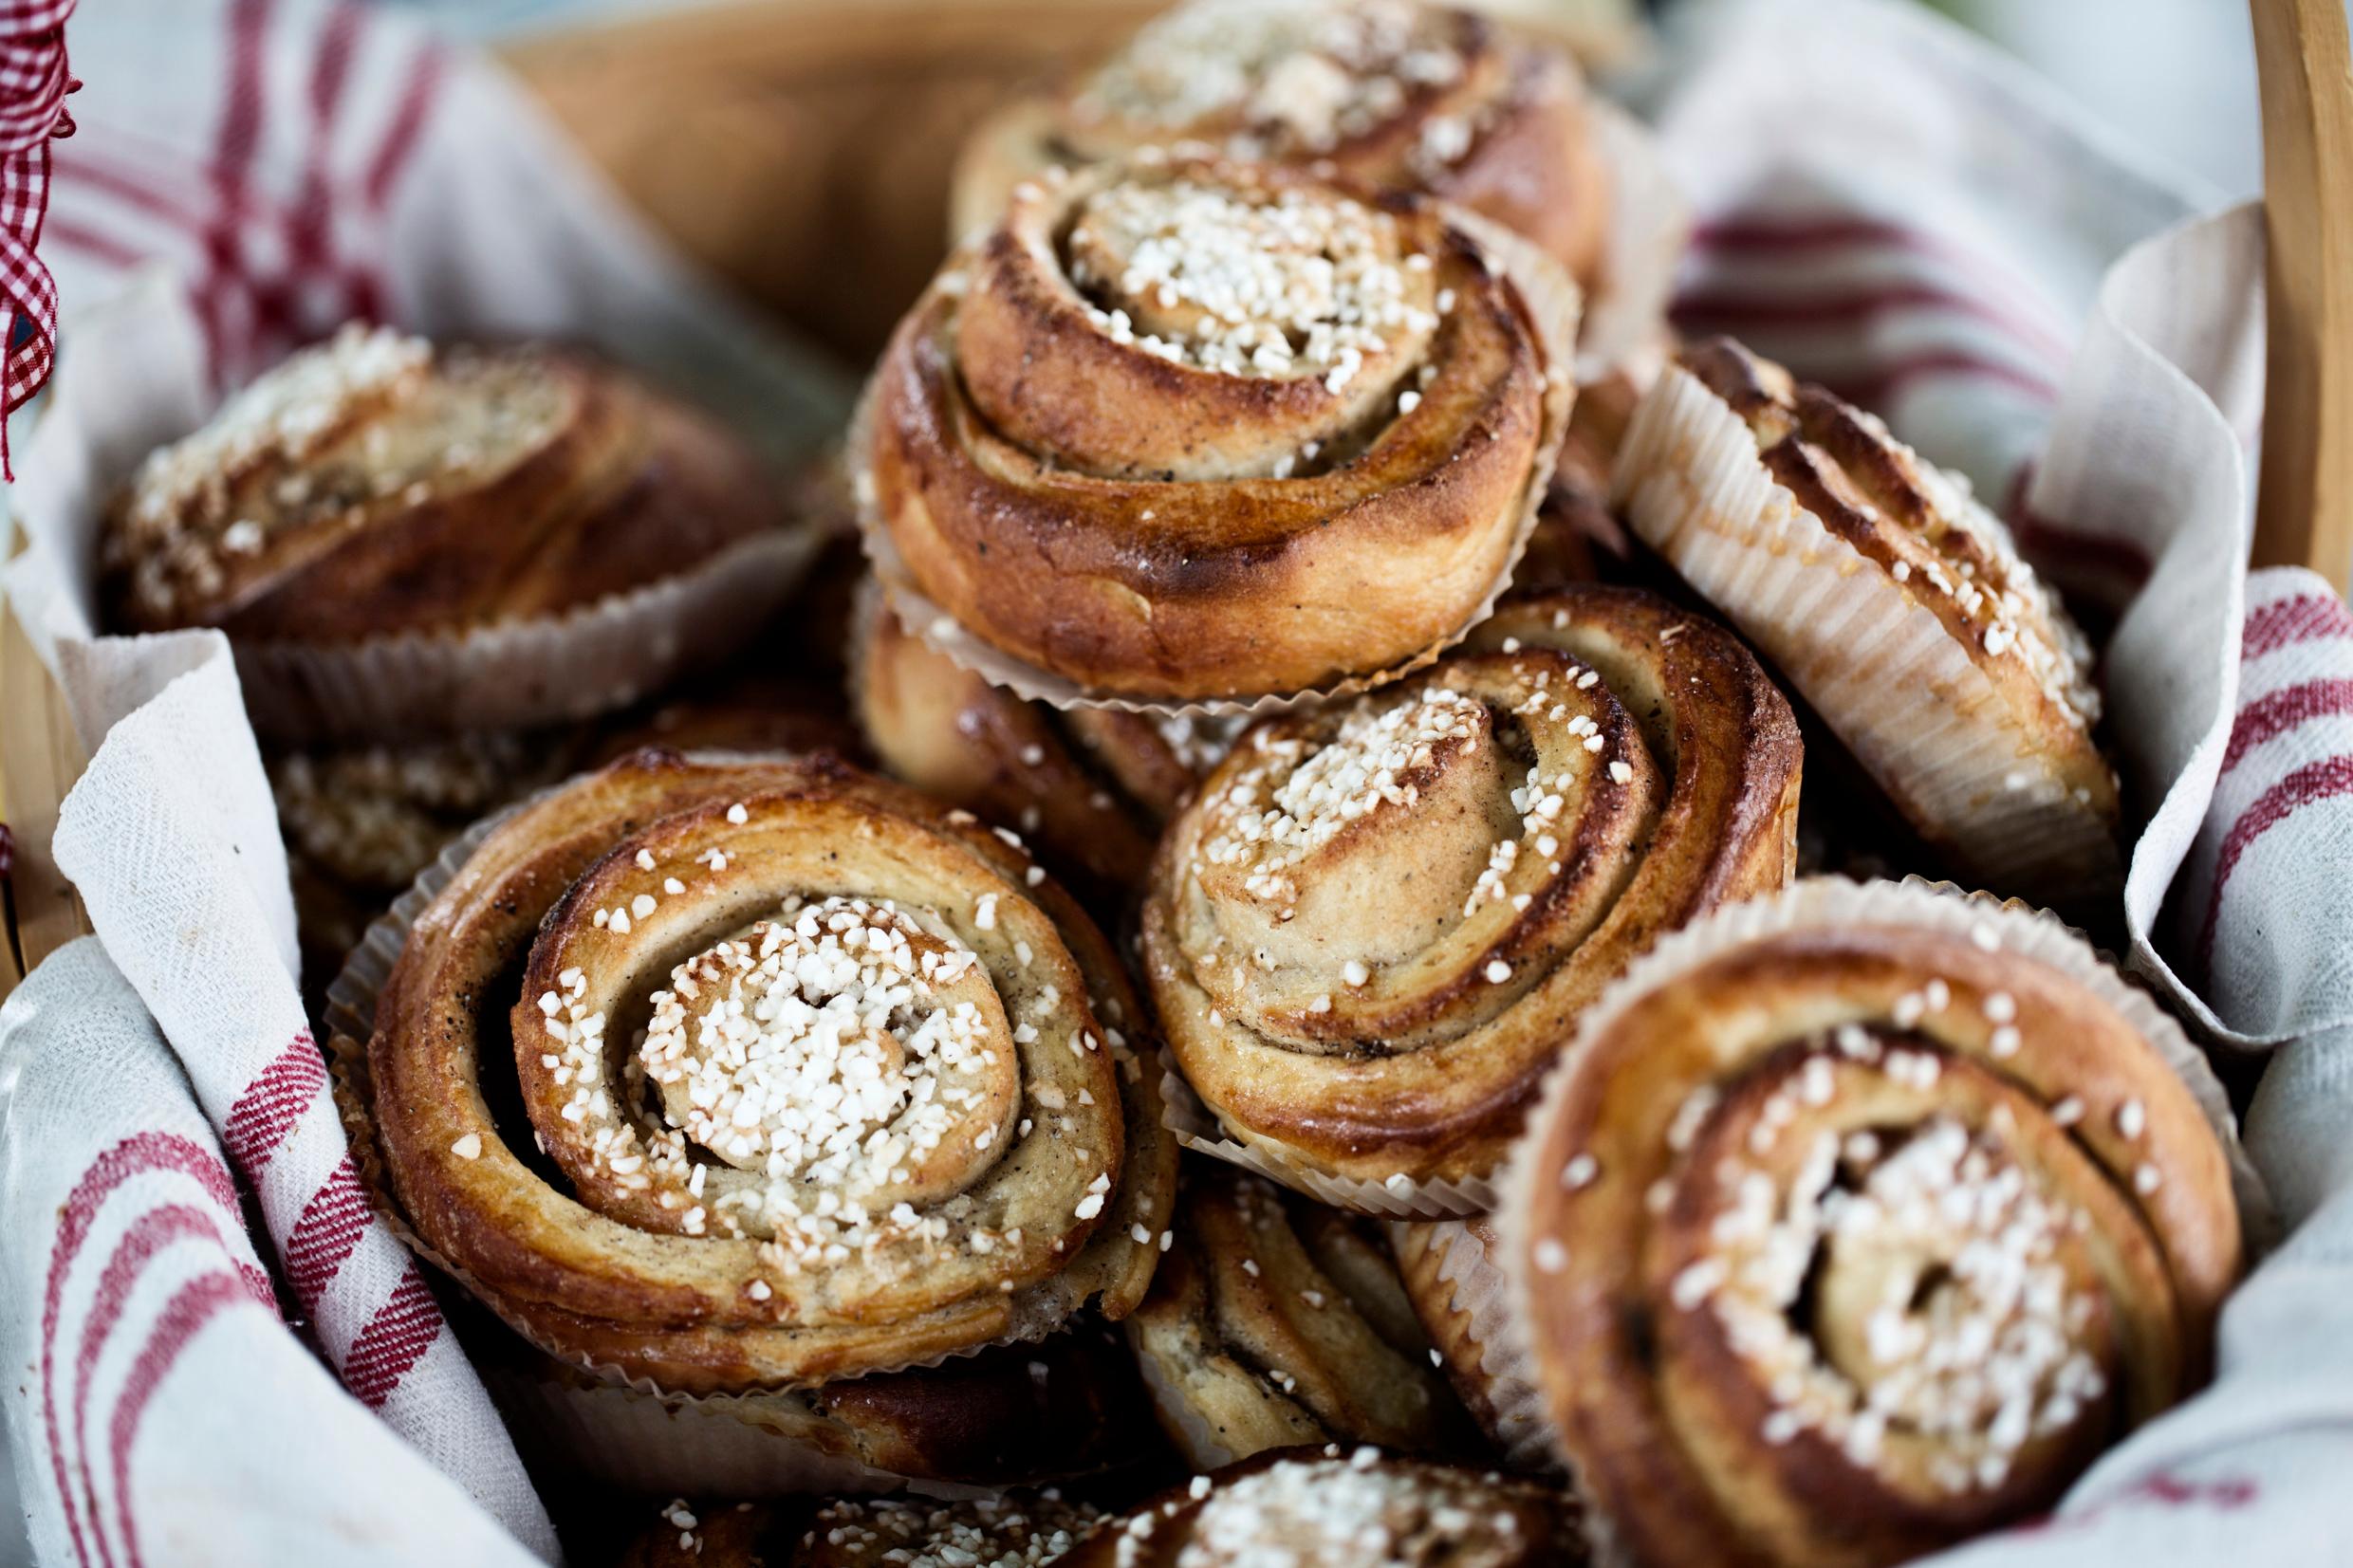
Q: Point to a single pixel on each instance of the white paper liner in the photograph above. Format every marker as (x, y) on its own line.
(1554, 305)
(1880, 666)
(350, 1020)
(590, 660)
(1481, 1304)
(1398, 1198)
(747, 1447)
(1836, 904)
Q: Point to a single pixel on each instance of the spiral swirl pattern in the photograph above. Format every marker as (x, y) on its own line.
(1275, 1321)
(1377, 924)
(1259, 435)
(1393, 93)
(1859, 1224)
(808, 1080)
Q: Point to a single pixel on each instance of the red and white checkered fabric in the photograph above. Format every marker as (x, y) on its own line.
(33, 83)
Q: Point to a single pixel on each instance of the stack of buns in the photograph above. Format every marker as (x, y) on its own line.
(1315, 1005)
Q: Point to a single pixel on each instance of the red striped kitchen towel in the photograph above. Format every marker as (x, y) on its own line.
(161, 1411)
(187, 888)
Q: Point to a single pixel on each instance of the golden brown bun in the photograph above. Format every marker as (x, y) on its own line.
(1894, 602)
(1275, 1321)
(1403, 96)
(1307, 480)
(1012, 1531)
(1369, 936)
(1858, 1224)
(376, 485)
(1334, 1505)
(727, 1169)
(1089, 788)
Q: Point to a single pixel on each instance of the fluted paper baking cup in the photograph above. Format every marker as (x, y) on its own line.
(1871, 658)
(350, 1020)
(1493, 1355)
(513, 674)
(1398, 1197)
(1554, 307)
(1829, 903)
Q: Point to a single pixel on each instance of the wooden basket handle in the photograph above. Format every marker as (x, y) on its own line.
(2304, 509)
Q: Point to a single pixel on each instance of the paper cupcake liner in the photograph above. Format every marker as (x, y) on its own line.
(1554, 305)
(1864, 651)
(547, 669)
(1198, 1128)
(350, 1019)
(750, 1447)
(1481, 1307)
(1625, 317)
(1836, 904)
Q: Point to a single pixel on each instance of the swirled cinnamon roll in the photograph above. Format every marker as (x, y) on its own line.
(1185, 430)
(1377, 925)
(1331, 1507)
(1392, 92)
(1860, 1221)
(376, 492)
(1894, 602)
(731, 1075)
(1012, 1531)
(1274, 1321)
(1089, 788)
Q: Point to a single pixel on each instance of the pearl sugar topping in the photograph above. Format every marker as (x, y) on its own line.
(840, 1045)
(1245, 281)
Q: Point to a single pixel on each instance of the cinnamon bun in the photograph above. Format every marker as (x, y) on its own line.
(1858, 1221)
(1012, 1531)
(1274, 1321)
(1331, 1507)
(1895, 603)
(743, 1074)
(1394, 93)
(1177, 432)
(1376, 925)
(401, 537)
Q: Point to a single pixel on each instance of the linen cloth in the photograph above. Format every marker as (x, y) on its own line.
(1882, 205)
